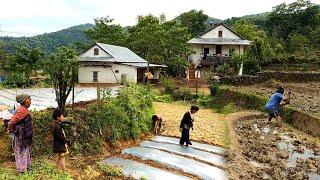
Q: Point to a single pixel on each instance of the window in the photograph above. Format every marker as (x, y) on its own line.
(96, 51)
(95, 76)
(220, 33)
(116, 71)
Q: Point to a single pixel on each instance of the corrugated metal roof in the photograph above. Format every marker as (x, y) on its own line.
(143, 65)
(219, 41)
(97, 59)
(121, 54)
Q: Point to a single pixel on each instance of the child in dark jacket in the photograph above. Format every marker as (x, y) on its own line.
(59, 140)
(186, 124)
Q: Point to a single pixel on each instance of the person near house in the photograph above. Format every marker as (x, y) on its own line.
(59, 140)
(274, 104)
(148, 76)
(186, 124)
(156, 123)
(21, 127)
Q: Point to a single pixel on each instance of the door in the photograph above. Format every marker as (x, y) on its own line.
(205, 52)
(218, 49)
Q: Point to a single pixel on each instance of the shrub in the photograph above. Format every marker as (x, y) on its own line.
(109, 170)
(164, 98)
(184, 94)
(126, 116)
(214, 88)
(168, 84)
(229, 108)
(251, 67)
(205, 101)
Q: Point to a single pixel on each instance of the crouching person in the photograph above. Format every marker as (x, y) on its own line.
(59, 140)
(156, 123)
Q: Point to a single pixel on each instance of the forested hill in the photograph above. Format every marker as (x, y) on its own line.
(258, 19)
(49, 42)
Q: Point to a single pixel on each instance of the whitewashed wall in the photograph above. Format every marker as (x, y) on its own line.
(226, 33)
(105, 75)
(90, 52)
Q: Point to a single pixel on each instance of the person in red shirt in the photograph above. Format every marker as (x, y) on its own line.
(21, 128)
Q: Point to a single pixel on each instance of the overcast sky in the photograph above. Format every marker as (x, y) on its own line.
(31, 17)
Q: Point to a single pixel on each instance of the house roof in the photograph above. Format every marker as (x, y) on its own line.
(219, 41)
(144, 65)
(98, 59)
(222, 24)
(121, 54)
(118, 54)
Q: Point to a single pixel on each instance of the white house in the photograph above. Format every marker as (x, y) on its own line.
(109, 64)
(215, 47)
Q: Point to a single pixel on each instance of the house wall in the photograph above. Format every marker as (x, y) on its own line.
(105, 74)
(90, 52)
(226, 33)
(239, 49)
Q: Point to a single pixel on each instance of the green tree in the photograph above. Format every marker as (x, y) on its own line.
(260, 48)
(297, 42)
(146, 38)
(195, 21)
(106, 32)
(19, 66)
(63, 69)
(160, 42)
(294, 24)
(28, 59)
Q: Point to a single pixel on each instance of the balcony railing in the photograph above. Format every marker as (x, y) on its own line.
(215, 59)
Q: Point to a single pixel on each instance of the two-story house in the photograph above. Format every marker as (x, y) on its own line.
(214, 47)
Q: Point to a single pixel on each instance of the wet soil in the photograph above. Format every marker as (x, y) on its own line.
(264, 151)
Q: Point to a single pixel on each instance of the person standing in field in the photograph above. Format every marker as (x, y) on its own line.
(21, 127)
(59, 140)
(274, 104)
(186, 124)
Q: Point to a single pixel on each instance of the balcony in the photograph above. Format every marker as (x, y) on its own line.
(211, 60)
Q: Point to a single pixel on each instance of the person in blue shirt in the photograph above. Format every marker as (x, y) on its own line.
(274, 103)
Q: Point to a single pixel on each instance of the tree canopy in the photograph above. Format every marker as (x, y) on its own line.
(62, 68)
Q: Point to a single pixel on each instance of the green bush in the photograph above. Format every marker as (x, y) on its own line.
(214, 88)
(164, 98)
(229, 108)
(168, 84)
(126, 116)
(184, 94)
(205, 101)
(251, 67)
(109, 170)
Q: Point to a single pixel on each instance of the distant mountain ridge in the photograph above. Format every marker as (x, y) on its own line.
(49, 42)
(75, 35)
